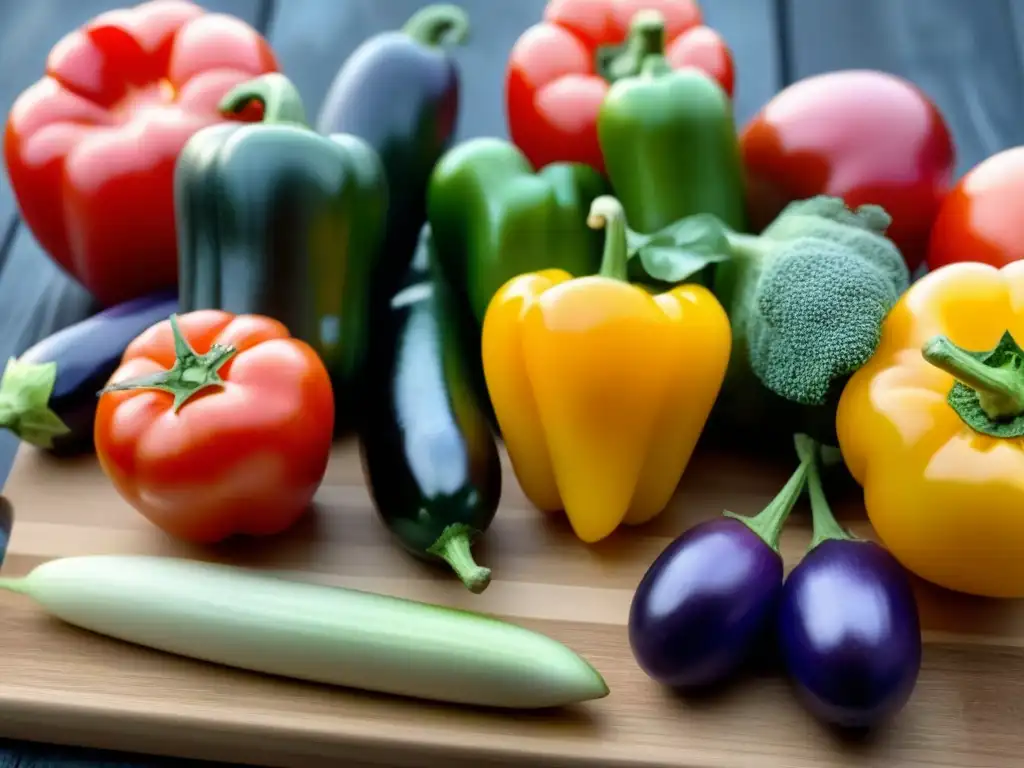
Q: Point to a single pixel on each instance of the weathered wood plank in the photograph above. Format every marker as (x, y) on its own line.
(750, 28)
(964, 55)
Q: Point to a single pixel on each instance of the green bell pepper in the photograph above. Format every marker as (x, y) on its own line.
(278, 220)
(669, 141)
(494, 218)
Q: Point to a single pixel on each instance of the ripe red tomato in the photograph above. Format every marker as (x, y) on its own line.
(982, 219)
(222, 428)
(865, 136)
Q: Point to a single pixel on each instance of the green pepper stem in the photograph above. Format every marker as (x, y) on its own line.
(436, 25)
(646, 40)
(825, 526)
(453, 546)
(769, 522)
(278, 95)
(190, 374)
(607, 213)
(1000, 391)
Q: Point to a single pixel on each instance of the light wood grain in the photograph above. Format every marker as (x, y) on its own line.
(60, 684)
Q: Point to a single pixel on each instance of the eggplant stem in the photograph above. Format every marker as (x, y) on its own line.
(453, 546)
(825, 525)
(769, 522)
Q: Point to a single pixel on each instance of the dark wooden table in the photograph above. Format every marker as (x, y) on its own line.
(965, 53)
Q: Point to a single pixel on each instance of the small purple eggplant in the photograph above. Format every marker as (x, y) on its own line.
(48, 394)
(707, 600)
(849, 630)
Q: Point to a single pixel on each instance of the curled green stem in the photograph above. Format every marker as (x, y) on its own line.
(454, 547)
(607, 213)
(278, 95)
(190, 374)
(436, 25)
(825, 525)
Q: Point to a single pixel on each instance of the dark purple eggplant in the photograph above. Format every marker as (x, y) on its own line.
(707, 600)
(399, 91)
(48, 394)
(849, 630)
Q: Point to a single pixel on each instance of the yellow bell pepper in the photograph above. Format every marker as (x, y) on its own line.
(933, 429)
(601, 388)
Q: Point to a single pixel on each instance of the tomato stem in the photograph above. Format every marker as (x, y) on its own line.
(190, 374)
(607, 212)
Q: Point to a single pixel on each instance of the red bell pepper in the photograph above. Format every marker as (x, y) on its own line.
(560, 69)
(90, 148)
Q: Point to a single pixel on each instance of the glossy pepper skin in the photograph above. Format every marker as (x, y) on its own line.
(275, 219)
(493, 218)
(931, 428)
(668, 140)
(559, 70)
(90, 148)
(399, 91)
(601, 389)
(429, 456)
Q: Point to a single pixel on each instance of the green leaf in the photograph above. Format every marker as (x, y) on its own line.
(679, 251)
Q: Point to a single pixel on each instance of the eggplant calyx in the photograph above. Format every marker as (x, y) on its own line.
(768, 523)
(190, 374)
(826, 528)
(25, 390)
(453, 546)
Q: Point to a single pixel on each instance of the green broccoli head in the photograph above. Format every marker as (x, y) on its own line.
(827, 279)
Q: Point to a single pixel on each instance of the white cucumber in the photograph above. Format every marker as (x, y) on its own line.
(241, 618)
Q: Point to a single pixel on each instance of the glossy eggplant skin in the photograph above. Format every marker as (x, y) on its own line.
(704, 603)
(399, 91)
(86, 355)
(849, 633)
(429, 456)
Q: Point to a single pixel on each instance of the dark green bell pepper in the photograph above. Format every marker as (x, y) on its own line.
(669, 141)
(493, 218)
(278, 220)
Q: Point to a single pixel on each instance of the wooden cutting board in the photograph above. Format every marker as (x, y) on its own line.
(63, 685)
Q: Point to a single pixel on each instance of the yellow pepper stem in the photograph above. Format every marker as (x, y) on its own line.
(995, 377)
(607, 213)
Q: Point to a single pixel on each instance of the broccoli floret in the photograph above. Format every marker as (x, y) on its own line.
(810, 293)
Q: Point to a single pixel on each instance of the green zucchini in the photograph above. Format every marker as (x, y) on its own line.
(429, 456)
(258, 622)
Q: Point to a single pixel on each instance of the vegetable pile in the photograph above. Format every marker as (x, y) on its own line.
(625, 275)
